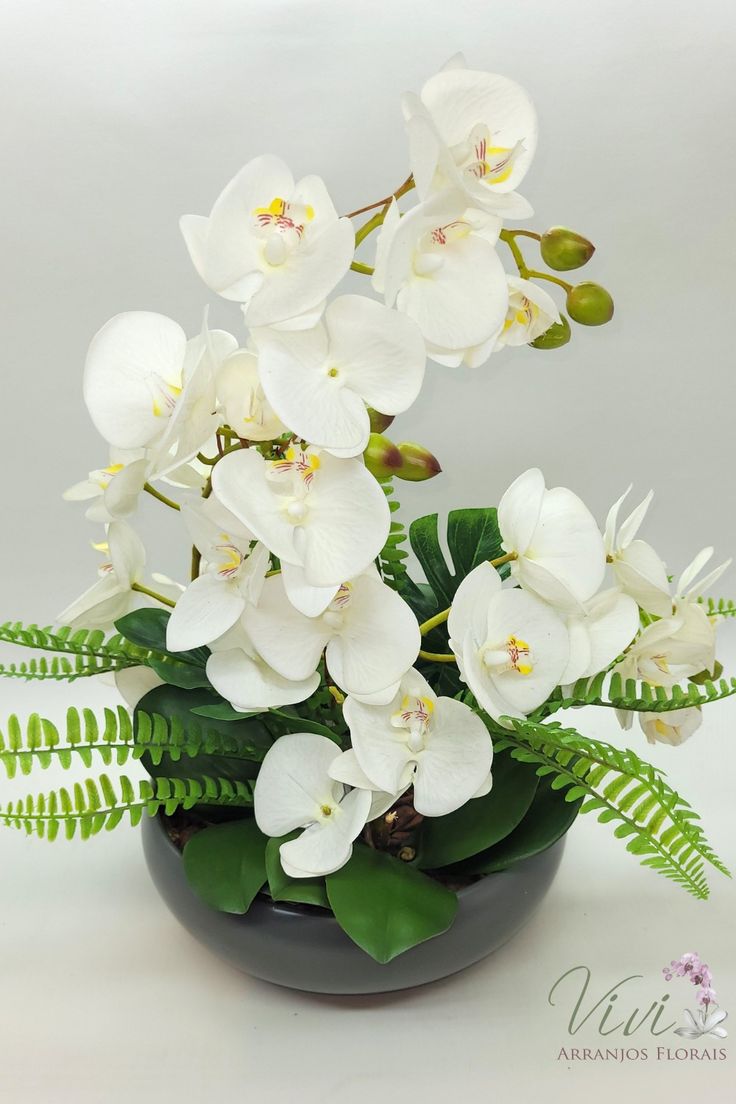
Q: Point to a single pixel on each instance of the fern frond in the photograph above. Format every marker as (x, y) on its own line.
(93, 643)
(660, 826)
(97, 804)
(114, 737)
(61, 669)
(719, 607)
(609, 689)
(392, 555)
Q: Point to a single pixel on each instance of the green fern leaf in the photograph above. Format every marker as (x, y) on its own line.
(96, 804)
(658, 824)
(609, 690)
(114, 738)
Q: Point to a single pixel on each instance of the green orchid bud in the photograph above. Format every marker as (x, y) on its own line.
(708, 676)
(558, 334)
(563, 249)
(382, 457)
(418, 463)
(589, 304)
(379, 422)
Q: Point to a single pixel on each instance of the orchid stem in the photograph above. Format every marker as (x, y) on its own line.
(161, 497)
(531, 272)
(153, 594)
(437, 657)
(377, 220)
(358, 267)
(441, 617)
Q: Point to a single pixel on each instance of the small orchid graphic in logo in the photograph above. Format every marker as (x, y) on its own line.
(708, 1018)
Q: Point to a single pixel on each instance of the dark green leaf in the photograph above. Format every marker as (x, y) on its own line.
(473, 537)
(482, 821)
(306, 891)
(250, 734)
(425, 542)
(386, 906)
(548, 818)
(296, 723)
(226, 864)
(147, 628)
(221, 711)
(187, 676)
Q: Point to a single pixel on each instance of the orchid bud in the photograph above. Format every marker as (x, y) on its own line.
(382, 457)
(558, 334)
(418, 463)
(563, 249)
(589, 304)
(708, 676)
(379, 422)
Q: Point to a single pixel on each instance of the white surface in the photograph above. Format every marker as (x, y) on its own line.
(118, 118)
(106, 998)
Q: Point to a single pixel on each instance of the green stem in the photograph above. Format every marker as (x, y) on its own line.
(441, 617)
(365, 269)
(153, 594)
(377, 220)
(525, 234)
(161, 497)
(437, 657)
(508, 237)
(533, 274)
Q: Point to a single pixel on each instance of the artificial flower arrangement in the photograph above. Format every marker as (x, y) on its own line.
(317, 725)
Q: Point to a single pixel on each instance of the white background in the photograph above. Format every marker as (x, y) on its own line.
(119, 117)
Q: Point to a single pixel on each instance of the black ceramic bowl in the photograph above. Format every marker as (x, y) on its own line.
(303, 947)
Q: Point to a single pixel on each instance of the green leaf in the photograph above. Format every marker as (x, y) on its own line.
(147, 628)
(187, 676)
(250, 735)
(548, 818)
(620, 788)
(473, 537)
(482, 821)
(386, 906)
(221, 711)
(306, 891)
(425, 543)
(226, 865)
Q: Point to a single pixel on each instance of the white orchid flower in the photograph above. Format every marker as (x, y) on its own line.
(112, 595)
(438, 745)
(598, 635)
(320, 381)
(241, 399)
(689, 588)
(294, 790)
(512, 648)
(146, 386)
(438, 264)
(369, 635)
(672, 649)
(473, 130)
(276, 246)
(705, 1021)
(235, 566)
(559, 549)
(673, 727)
(532, 311)
(246, 681)
(637, 568)
(310, 509)
(113, 491)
